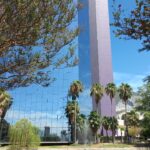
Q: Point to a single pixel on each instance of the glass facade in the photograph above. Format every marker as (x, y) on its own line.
(84, 56)
(45, 107)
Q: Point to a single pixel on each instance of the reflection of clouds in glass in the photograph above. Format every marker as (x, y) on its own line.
(44, 106)
(40, 119)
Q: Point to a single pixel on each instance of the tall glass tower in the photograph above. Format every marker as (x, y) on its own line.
(94, 48)
(45, 107)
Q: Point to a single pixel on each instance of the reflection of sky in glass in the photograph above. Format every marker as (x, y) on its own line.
(84, 57)
(45, 106)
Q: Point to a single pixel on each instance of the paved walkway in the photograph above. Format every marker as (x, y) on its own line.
(68, 148)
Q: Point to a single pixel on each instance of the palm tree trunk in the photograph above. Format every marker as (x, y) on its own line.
(95, 138)
(107, 136)
(112, 122)
(1, 127)
(121, 137)
(126, 131)
(111, 107)
(75, 124)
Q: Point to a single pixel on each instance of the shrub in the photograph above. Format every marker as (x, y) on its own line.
(23, 135)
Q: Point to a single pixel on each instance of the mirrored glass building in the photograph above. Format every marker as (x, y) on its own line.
(45, 107)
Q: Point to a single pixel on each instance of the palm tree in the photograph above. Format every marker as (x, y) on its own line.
(125, 92)
(97, 91)
(70, 112)
(94, 123)
(106, 124)
(122, 128)
(81, 119)
(113, 127)
(111, 92)
(75, 88)
(5, 102)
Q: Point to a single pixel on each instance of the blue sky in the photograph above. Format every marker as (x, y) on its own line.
(35, 102)
(129, 65)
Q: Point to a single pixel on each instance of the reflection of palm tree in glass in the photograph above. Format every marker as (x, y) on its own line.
(81, 119)
(75, 88)
(125, 92)
(5, 103)
(97, 92)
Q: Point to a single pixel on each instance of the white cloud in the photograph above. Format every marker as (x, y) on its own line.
(135, 80)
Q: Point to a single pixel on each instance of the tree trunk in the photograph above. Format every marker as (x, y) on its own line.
(75, 124)
(107, 136)
(126, 131)
(111, 106)
(112, 122)
(113, 136)
(121, 137)
(72, 132)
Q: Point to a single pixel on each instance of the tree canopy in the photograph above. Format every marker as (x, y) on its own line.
(33, 33)
(143, 102)
(135, 25)
(143, 106)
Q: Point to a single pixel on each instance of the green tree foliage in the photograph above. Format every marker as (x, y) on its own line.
(5, 102)
(111, 90)
(110, 123)
(143, 102)
(147, 79)
(132, 119)
(23, 135)
(122, 129)
(135, 25)
(75, 89)
(125, 92)
(97, 92)
(113, 127)
(81, 119)
(70, 111)
(32, 35)
(146, 125)
(94, 122)
(143, 106)
(106, 125)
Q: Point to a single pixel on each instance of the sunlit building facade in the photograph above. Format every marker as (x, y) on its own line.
(94, 48)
